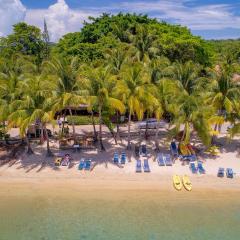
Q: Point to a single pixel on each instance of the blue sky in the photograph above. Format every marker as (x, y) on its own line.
(212, 19)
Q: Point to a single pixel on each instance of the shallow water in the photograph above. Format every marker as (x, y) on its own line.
(132, 216)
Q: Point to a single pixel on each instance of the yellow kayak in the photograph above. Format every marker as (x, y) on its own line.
(177, 183)
(187, 183)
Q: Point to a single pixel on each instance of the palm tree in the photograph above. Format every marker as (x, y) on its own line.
(131, 89)
(115, 58)
(159, 68)
(190, 111)
(31, 108)
(99, 84)
(167, 91)
(67, 92)
(187, 76)
(144, 43)
(224, 90)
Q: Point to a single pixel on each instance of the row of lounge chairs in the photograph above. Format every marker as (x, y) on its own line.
(145, 166)
(85, 164)
(119, 159)
(221, 172)
(164, 159)
(195, 169)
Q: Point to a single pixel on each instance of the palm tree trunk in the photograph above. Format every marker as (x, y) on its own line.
(118, 127)
(94, 126)
(146, 130)
(156, 137)
(101, 147)
(41, 136)
(73, 126)
(129, 126)
(29, 149)
(49, 152)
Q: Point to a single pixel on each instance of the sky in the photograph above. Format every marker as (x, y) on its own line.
(211, 19)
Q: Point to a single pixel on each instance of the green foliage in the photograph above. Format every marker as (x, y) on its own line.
(149, 37)
(82, 120)
(228, 50)
(26, 40)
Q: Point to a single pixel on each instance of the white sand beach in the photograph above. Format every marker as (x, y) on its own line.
(38, 169)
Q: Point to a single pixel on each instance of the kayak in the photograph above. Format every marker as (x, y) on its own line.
(177, 183)
(187, 183)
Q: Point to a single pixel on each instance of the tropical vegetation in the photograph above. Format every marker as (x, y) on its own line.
(126, 64)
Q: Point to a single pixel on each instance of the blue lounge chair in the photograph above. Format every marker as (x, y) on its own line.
(168, 160)
(193, 168)
(144, 150)
(160, 159)
(146, 166)
(123, 158)
(115, 158)
(220, 172)
(88, 164)
(138, 166)
(81, 165)
(173, 149)
(200, 168)
(229, 173)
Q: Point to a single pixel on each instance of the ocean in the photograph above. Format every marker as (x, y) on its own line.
(125, 215)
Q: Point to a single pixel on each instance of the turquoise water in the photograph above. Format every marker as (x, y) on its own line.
(138, 216)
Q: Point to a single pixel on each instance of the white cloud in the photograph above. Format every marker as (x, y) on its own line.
(11, 12)
(218, 16)
(60, 19)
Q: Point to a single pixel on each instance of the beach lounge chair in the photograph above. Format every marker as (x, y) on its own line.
(137, 151)
(193, 168)
(168, 160)
(115, 158)
(81, 165)
(200, 168)
(229, 173)
(123, 158)
(144, 150)
(173, 149)
(161, 159)
(57, 161)
(66, 160)
(220, 172)
(88, 163)
(138, 166)
(146, 166)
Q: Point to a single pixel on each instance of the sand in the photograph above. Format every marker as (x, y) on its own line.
(37, 170)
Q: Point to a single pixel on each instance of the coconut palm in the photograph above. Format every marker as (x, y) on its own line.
(159, 68)
(99, 84)
(187, 77)
(190, 111)
(116, 58)
(224, 90)
(167, 91)
(67, 92)
(144, 43)
(131, 89)
(31, 108)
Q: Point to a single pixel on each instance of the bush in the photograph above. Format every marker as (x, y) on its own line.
(81, 120)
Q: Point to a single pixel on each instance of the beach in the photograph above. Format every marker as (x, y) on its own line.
(42, 201)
